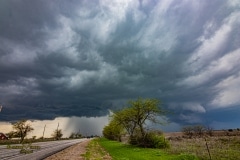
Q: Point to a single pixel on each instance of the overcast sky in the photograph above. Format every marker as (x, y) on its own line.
(80, 58)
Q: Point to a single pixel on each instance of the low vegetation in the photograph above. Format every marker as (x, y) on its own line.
(206, 143)
(121, 151)
(95, 151)
(213, 148)
(197, 131)
(57, 134)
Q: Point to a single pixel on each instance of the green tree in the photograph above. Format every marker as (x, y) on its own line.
(125, 119)
(22, 128)
(57, 134)
(11, 134)
(113, 131)
(134, 118)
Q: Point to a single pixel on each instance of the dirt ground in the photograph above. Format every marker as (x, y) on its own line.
(74, 152)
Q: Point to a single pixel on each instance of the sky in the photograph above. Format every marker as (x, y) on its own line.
(81, 58)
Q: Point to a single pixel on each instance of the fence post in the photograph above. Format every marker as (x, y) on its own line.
(208, 149)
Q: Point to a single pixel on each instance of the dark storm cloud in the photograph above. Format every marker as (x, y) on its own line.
(76, 58)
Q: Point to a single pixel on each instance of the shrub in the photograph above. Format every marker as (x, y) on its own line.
(209, 131)
(57, 134)
(113, 131)
(133, 140)
(199, 130)
(153, 140)
(230, 130)
(188, 131)
(108, 133)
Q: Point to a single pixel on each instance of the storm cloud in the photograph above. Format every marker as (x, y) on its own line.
(81, 58)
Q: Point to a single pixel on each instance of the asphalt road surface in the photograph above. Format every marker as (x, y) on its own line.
(39, 150)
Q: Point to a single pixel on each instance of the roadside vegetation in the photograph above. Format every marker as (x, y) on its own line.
(57, 134)
(95, 151)
(142, 143)
(181, 148)
(132, 120)
(121, 151)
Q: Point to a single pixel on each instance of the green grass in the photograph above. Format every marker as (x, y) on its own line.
(95, 151)
(120, 151)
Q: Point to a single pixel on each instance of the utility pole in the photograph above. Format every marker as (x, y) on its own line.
(57, 131)
(78, 135)
(57, 126)
(43, 131)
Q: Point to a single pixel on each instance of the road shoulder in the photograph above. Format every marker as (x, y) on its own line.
(74, 152)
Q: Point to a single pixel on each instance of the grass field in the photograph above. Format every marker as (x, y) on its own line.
(218, 148)
(120, 151)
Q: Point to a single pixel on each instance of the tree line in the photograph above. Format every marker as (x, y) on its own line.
(197, 131)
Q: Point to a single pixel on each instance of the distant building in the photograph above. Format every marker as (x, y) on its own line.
(3, 136)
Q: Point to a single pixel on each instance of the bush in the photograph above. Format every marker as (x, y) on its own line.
(153, 140)
(57, 134)
(188, 131)
(113, 131)
(196, 131)
(108, 133)
(133, 140)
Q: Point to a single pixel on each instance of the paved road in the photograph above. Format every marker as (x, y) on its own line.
(46, 149)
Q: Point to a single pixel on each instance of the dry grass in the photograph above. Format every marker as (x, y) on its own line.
(220, 148)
